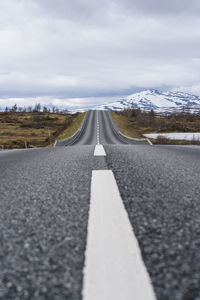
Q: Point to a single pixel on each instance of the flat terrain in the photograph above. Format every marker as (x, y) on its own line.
(18, 130)
(135, 123)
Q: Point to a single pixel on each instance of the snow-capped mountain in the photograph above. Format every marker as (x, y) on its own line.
(154, 99)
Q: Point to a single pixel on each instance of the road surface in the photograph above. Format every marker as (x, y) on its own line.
(46, 202)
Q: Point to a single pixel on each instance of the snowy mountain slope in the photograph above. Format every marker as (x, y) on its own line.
(153, 99)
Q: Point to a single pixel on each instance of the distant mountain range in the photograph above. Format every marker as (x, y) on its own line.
(154, 99)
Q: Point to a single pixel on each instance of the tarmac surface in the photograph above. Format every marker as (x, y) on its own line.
(44, 205)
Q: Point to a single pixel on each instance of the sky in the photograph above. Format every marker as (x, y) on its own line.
(86, 52)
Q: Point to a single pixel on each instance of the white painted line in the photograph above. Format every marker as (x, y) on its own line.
(98, 139)
(99, 151)
(114, 269)
(150, 143)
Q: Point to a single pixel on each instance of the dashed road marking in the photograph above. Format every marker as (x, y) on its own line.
(98, 139)
(99, 150)
(114, 269)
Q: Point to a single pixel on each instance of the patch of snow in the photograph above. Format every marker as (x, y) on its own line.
(188, 136)
(154, 99)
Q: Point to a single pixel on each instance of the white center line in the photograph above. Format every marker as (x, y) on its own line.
(99, 150)
(114, 269)
(98, 140)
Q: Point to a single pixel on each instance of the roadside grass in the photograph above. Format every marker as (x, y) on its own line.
(74, 126)
(34, 129)
(129, 127)
(135, 123)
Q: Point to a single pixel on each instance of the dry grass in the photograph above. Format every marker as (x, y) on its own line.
(34, 129)
(135, 124)
(162, 140)
(128, 126)
(76, 123)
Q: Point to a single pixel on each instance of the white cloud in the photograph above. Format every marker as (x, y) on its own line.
(79, 49)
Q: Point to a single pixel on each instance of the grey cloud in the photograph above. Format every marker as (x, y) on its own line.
(95, 48)
(87, 9)
(156, 7)
(82, 11)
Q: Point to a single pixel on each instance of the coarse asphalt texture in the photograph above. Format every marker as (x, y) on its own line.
(44, 205)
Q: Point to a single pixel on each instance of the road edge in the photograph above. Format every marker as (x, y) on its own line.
(72, 139)
(125, 137)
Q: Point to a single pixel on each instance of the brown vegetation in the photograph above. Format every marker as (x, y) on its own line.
(135, 123)
(32, 129)
(162, 140)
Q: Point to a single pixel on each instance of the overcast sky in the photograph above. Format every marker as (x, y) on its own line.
(90, 50)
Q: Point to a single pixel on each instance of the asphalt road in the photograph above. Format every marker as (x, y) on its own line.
(44, 204)
(89, 134)
(107, 133)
